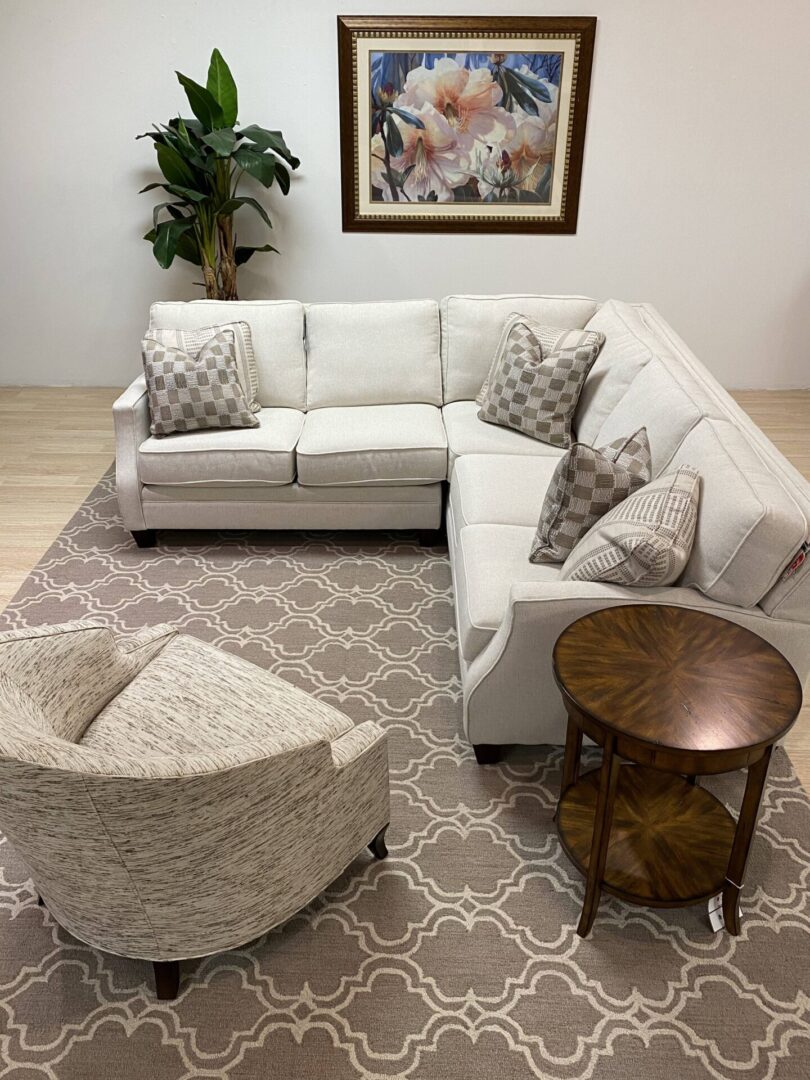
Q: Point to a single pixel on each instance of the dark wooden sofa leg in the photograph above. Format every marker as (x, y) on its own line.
(377, 846)
(145, 538)
(488, 753)
(167, 979)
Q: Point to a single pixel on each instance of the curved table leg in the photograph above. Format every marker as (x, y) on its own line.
(746, 823)
(608, 777)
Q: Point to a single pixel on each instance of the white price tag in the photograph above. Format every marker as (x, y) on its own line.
(716, 920)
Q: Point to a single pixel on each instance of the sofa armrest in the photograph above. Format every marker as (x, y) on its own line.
(509, 688)
(131, 422)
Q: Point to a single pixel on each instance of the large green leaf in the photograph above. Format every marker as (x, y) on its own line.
(174, 166)
(221, 142)
(242, 254)
(187, 246)
(232, 205)
(282, 177)
(222, 88)
(189, 194)
(165, 206)
(270, 140)
(203, 104)
(262, 166)
(167, 237)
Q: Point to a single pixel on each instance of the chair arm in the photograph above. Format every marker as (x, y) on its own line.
(131, 422)
(355, 743)
(145, 644)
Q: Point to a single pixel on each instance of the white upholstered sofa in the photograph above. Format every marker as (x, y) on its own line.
(369, 408)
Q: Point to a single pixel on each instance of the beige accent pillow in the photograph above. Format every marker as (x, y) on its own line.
(586, 484)
(537, 393)
(646, 539)
(191, 341)
(546, 337)
(188, 393)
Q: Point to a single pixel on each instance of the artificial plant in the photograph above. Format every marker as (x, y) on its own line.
(203, 161)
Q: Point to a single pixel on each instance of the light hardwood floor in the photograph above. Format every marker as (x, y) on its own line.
(55, 443)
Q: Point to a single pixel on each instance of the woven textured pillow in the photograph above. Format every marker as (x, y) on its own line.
(186, 394)
(645, 540)
(191, 341)
(537, 394)
(586, 484)
(546, 337)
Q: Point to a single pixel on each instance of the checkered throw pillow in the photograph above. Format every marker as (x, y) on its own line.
(585, 485)
(187, 393)
(645, 540)
(547, 338)
(536, 393)
(191, 341)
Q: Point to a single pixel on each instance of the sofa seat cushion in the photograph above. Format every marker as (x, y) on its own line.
(499, 489)
(193, 698)
(466, 434)
(250, 457)
(372, 444)
(489, 559)
(749, 525)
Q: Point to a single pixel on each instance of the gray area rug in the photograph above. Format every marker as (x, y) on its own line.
(455, 959)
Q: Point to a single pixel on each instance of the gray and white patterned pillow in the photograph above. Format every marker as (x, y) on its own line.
(547, 338)
(537, 394)
(645, 540)
(191, 341)
(187, 393)
(586, 484)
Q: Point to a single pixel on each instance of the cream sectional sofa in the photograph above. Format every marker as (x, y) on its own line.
(368, 409)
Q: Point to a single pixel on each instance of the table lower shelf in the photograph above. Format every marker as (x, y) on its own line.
(669, 840)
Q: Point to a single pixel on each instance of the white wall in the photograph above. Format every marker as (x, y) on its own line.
(695, 187)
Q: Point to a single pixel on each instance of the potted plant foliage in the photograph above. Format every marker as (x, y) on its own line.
(203, 161)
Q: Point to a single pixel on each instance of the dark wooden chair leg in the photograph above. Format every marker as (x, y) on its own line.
(488, 753)
(167, 979)
(377, 846)
(145, 538)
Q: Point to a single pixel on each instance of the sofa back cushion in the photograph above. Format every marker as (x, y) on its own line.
(472, 325)
(629, 347)
(665, 400)
(373, 354)
(749, 525)
(277, 334)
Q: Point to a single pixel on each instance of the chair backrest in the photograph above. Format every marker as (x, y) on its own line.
(60, 677)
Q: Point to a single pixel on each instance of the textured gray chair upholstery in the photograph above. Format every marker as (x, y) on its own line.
(171, 800)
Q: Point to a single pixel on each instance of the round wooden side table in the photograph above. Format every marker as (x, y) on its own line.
(678, 693)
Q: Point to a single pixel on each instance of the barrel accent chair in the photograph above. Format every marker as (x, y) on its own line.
(172, 800)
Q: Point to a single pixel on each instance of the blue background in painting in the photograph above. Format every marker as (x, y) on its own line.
(392, 67)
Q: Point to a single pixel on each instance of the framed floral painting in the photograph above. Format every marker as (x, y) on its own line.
(463, 124)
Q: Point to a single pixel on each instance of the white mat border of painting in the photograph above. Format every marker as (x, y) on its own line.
(367, 45)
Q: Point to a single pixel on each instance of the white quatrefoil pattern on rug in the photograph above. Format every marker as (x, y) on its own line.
(457, 957)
